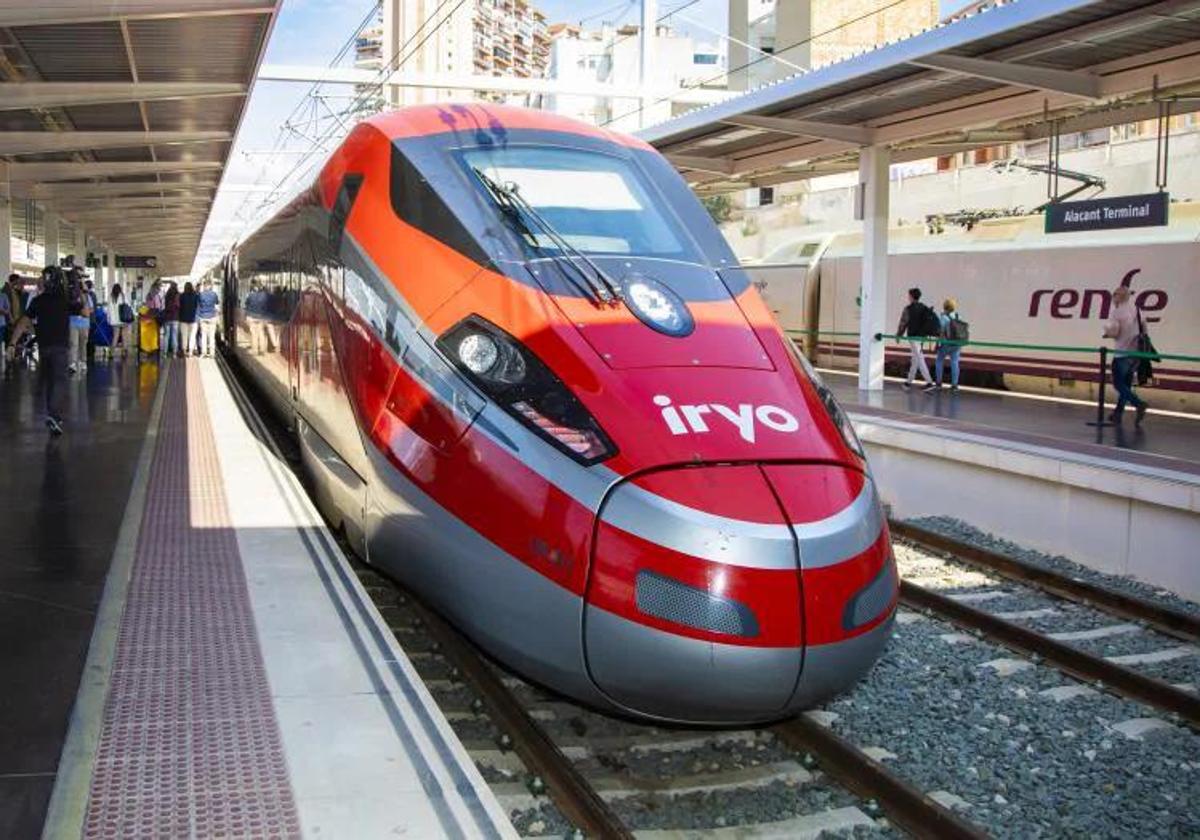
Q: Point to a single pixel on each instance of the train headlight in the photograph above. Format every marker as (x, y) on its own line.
(478, 353)
(521, 384)
(657, 306)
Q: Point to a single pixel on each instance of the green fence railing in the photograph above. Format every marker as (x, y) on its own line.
(1103, 352)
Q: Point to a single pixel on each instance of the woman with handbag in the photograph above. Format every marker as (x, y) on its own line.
(119, 306)
(1125, 329)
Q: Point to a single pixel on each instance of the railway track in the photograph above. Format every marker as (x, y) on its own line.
(613, 778)
(1063, 602)
(562, 770)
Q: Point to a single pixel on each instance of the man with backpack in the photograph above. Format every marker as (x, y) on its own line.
(50, 311)
(955, 332)
(919, 323)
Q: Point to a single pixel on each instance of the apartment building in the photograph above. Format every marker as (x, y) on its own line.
(480, 37)
(805, 34)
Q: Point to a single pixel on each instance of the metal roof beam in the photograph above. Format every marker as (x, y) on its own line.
(37, 142)
(17, 96)
(135, 202)
(854, 134)
(52, 191)
(718, 166)
(1022, 75)
(90, 11)
(67, 170)
(123, 214)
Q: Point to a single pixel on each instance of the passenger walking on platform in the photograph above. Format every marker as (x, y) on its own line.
(6, 322)
(188, 301)
(953, 334)
(50, 312)
(207, 314)
(122, 316)
(79, 305)
(14, 291)
(1123, 327)
(918, 322)
(170, 321)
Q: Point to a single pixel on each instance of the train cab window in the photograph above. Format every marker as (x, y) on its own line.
(351, 184)
(599, 203)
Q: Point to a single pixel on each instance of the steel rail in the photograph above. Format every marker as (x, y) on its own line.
(1079, 664)
(905, 805)
(577, 800)
(1165, 620)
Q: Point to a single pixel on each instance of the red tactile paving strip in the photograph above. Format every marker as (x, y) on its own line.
(189, 745)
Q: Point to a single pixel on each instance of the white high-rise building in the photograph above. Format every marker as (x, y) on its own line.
(610, 56)
(479, 37)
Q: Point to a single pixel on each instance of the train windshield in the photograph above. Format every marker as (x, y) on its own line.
(597, 203)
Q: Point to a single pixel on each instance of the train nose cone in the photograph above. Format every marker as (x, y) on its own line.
(737, 593)
(694, 605)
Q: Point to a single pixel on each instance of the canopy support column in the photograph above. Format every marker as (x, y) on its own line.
(50, 220)
(5, 236)
(873, 167)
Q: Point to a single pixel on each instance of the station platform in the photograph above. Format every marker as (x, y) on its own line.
(237, 680)
(1165, 440)
(1120, 499)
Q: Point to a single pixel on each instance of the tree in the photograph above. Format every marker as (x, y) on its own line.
(719, 207)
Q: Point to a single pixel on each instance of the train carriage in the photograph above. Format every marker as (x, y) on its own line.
(531, 381)
(1015, 284)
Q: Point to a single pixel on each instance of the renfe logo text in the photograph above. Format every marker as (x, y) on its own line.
(686, 419)
(1089, 303)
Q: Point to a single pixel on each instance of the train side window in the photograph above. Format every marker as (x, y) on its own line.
(348, 192)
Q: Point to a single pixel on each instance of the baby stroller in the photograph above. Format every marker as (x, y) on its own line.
(101, 336)
(25, 351)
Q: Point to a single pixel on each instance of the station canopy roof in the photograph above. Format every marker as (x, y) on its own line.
(1000, 75)
(120, 115)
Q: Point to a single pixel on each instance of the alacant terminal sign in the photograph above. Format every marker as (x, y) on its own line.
(1124, 211)
(125, 261)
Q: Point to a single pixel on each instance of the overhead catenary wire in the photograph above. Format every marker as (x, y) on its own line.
(394, 65)
(286, 125)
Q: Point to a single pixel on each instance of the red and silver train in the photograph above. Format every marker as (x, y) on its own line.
(531, 381)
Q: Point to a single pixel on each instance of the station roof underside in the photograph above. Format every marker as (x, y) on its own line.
(1001, 75)
(120, 115)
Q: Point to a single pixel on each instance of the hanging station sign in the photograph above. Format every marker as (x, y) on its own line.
(124, 261)
(1125, 211)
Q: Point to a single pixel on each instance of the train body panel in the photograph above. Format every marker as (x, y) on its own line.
(1014, 284)
(643, 454)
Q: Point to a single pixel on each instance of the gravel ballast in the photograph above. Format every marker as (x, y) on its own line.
(1026, 764)
(960, 530)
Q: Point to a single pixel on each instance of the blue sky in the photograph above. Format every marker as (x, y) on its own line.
(311, 32)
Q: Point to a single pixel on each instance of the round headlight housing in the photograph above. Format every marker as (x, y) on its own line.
(657, 306)
(478, 352)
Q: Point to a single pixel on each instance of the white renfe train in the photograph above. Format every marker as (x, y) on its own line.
(1015, 284)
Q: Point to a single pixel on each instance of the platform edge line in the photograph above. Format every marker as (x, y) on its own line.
(345, 587)
(72, 785)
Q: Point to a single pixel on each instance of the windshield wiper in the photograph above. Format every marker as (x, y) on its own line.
(597, 287)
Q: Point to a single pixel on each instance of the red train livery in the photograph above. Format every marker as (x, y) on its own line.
(530, 380)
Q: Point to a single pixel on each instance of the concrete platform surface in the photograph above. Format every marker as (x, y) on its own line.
(238, 680)
(1163, 441)
(62, 501)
